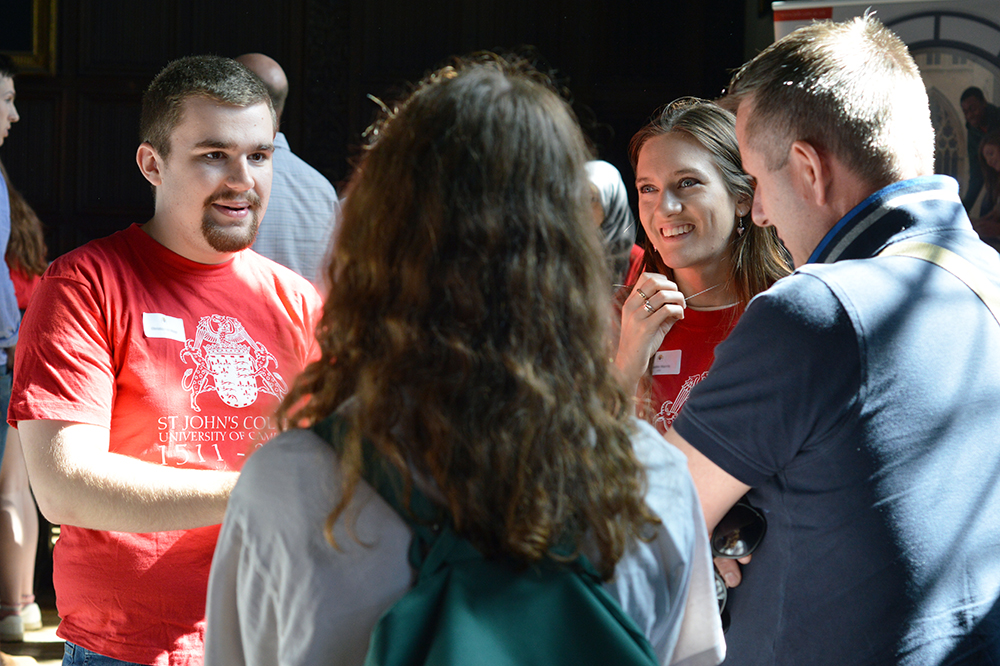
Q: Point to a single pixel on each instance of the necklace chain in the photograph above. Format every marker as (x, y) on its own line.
(688, 298)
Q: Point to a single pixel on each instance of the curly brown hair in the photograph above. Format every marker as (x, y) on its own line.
(26, 249)
(467, 322)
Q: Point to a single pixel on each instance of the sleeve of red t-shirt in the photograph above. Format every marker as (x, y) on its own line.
(24, 285)
(635, 261)
(64, 367)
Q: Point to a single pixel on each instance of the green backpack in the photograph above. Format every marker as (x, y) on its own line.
(466, 610)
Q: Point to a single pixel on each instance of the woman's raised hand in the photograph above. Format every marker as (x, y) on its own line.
(647, 314)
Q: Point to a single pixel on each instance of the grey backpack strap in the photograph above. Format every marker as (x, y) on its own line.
(954, 264)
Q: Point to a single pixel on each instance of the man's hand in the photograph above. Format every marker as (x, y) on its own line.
(78, 481)
(730, 570)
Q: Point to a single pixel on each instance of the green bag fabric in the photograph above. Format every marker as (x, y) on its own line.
(467, 610)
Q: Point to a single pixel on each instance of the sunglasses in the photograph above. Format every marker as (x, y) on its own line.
(737, 535)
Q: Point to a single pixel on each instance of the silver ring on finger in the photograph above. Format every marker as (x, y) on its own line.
(642, 294)
(649, 308)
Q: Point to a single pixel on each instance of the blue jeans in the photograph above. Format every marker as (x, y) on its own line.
(5, 380)
(74, 655)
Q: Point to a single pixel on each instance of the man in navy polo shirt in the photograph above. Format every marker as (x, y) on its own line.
(857, 399)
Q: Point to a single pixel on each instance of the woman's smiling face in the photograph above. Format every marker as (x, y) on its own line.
(686, 209)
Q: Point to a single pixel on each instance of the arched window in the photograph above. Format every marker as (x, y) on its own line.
(949, 133)
(954, 50)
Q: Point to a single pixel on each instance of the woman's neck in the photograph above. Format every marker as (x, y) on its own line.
(706, 289)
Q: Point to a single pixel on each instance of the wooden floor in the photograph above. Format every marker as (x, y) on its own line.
(43, 645)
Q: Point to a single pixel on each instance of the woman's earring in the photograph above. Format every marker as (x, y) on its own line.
(741, 214)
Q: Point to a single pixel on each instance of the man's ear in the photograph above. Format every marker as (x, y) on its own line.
(810, 171)
(150, 163)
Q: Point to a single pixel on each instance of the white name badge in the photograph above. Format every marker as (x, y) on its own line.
(156, 325)
(667, 362)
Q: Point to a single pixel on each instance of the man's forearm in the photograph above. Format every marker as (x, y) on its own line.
(77, 481)
(717, 490)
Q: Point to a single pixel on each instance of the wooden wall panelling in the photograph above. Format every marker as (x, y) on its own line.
(393, 44)
(227, 29)
(121, 38)
(399, 41)
(322, 95)
(621, 60)
(272, 28)
(31, 152)
(109, 187)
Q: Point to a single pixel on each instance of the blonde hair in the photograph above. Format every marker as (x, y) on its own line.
(851, 89)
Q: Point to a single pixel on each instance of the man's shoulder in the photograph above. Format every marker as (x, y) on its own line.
(804, 296)
(272, 269)
(903, 209)
(841, 281)
(291, 171)
(271, 272)
(293, 168)
(295, 179)
(867, 286)
(96, 254)
(799, 314)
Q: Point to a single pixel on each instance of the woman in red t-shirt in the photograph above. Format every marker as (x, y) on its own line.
(702, 259)
(27, 254)
(26, 259)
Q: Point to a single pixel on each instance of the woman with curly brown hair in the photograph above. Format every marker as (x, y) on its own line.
(465, 338)
(25, 255)
(26, 259)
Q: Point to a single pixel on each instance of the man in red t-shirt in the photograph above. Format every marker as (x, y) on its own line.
(150, 364)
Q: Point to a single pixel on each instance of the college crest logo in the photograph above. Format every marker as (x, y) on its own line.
(230, 363)
(671, 408)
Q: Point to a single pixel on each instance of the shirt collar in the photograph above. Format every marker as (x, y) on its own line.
(866, 214)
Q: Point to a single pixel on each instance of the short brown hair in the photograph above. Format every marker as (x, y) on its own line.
(222, 80)
(7, 67)
(851, 89)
